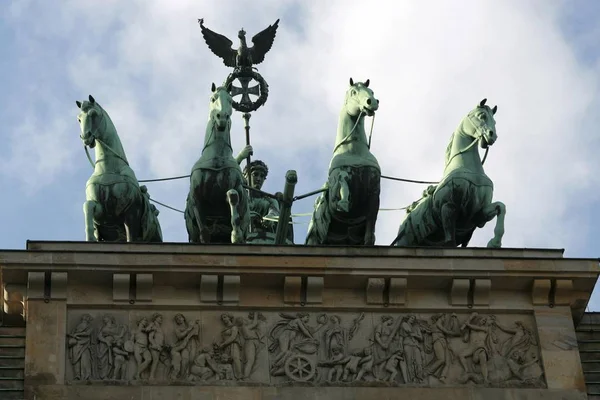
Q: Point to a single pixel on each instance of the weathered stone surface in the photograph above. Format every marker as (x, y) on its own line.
(290, 348)
(263, 322)
(45, 342)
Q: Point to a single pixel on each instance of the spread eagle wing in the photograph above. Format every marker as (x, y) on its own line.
(262, 43)
(220, 45)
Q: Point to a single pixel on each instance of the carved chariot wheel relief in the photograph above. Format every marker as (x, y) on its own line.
(299, 368)
(246, 76)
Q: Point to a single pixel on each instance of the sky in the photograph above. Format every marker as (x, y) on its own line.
(429, 63)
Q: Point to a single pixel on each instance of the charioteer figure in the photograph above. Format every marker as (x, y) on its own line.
(264, 210)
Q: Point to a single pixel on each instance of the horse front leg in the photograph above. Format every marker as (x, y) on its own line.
(448, 213)
(498, 210)
(372, 212)
(343, 203)
(92, 210)
(233, 198)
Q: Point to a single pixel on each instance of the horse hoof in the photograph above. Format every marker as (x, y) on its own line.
(233, 197)
(343, 205)
(494, 244)
(237, 236)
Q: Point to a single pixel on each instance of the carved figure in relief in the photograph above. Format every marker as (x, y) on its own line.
(142, 354)
(520, 341)
(205, 367)
(121, 357)
(156, 338)
(79, 344)
(336, 363)
(403, 349)
(232, 344)
(253, 340)
(524, 370)
(337, 336)
(441, 326)
(185, 347)
(107, 336)
(393, 362)
(481, 339)
(382, 337)
(386, 342)
(413, 348)
(224, 361)
(294, 340)
(359, 365)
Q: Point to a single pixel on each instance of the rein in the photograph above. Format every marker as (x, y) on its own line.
(93, 164)
(345, 139)
(210, 135)
(89, 157)
(475, 140)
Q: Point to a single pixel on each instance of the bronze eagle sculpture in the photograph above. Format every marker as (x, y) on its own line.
(243, 57)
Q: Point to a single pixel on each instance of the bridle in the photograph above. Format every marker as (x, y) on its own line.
(479, 128)
(212, 131)
(85, 147)
(349, 135)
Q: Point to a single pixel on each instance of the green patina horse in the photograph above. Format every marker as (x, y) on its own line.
(217, 204)
(116, 207)
(449, 212)
(345, 214)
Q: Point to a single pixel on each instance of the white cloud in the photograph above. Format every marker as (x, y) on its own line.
(429, 63)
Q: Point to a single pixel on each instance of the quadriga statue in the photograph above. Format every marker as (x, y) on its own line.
(346, 213)
(116, 207)
(449, 212)
(217, 204)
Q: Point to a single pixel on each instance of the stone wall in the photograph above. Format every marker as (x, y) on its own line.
(241, 322)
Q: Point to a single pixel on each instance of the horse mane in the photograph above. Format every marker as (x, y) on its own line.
(449, 148)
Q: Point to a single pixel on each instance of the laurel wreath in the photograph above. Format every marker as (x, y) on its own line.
(262, 86)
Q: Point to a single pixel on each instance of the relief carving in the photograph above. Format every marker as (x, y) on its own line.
(276, 348)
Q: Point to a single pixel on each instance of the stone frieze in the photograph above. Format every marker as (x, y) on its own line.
(299, 348)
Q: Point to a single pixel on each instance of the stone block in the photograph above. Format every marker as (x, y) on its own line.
(540, 292)
(231, 289)
(397, 291)
(58, 285)
(45, 342)
(374, 290)
(121, 287)
(563, 292)
(208, 288)
(143, 287)
(35, 285)
(314, 289)
(459, 293)
(482, 292)
(292, 289)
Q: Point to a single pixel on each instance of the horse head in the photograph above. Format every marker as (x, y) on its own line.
(481, 125)
(220, 107)
(90, 117)
(360, 99)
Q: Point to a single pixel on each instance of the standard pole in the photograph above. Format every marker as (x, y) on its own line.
(285, 209)
(246, 117)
